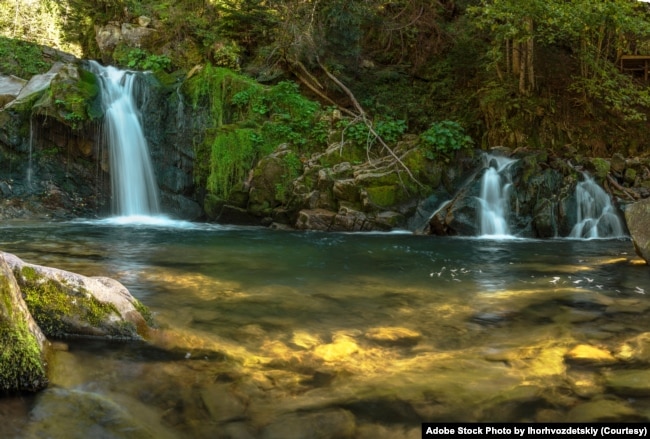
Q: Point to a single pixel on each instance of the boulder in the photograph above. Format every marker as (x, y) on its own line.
(35, 86)
(22, 359)
(10, 87)
(637, 216)
(69, 304)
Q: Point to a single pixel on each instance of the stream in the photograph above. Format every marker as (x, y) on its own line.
(277, 334)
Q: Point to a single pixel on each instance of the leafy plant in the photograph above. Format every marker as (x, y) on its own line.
(444, 138)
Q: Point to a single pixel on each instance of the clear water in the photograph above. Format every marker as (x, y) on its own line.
(262, 331)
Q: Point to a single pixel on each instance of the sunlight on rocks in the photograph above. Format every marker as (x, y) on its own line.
(305, 340)
(588, 354)
(202, 286)
(340, 349)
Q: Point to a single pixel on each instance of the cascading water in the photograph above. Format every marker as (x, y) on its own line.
(135, 192)
(495, 195)
(596, 216)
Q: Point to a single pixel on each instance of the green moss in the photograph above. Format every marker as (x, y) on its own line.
(385, 196)
(56, 307)
(75, 101)
(21, 364)
(144, 312)
(601, 168)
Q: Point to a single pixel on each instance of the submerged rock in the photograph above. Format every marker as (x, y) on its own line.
(69, 304)
(637, 216)
(94, 415)
(22, 358)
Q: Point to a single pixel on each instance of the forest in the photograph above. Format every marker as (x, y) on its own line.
(541, 74)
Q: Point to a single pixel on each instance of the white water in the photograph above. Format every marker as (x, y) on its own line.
(596, 216)
(133, 183)
(494, 199)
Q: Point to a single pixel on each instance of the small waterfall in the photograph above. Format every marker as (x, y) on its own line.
(135, 192)
(596, 216)
(30, 165)
(495, 196)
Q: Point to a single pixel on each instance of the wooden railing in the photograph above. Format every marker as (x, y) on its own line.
(636, 65)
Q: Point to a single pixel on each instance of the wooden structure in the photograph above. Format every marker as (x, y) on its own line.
(637, 65)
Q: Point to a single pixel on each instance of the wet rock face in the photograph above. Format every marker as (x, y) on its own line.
(637, 216)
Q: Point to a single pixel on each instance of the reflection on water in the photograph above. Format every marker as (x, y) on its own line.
(268, 333)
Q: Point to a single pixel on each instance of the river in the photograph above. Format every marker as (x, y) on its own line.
(267, 333)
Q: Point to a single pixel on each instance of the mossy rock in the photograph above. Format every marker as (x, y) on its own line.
(68, 304)
(599, 167)
(22, 357)
(385, 196)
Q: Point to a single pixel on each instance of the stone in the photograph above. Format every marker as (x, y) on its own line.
(618, 163)
(10, 87)
(65, 303)
(22, 363)
(315, 219)
(629, 382)
(341, 348)
(590, 355)
(637, 216)
(636, 349)
(93, 415)
(396, 336)
(36, 85)
(325, 424)
(222, 404)
(603, 410)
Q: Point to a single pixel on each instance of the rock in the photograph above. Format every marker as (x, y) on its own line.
(341, 348)
(396, 336)
(222, 404)
(603, 410)
(326, 424)
(636, 349)
(36, 85)
(10, 87)
(315, 219)
(65, 303)
(92, 415)
(629, 382)
(22, 361)
(618, 163)
(637, 216)
(590, 355)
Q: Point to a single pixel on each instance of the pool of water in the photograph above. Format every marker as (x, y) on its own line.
(271, 334)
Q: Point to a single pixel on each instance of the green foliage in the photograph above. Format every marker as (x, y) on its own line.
(140, 59)
(78, 101)
(21, 58)
(292, 167)
(358, 133)
(248, 121)
(443, 139)
(232, 154)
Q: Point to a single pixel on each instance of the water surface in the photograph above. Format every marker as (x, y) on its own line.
(264, 332)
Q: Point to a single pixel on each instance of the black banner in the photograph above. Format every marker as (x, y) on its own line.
(522, 430)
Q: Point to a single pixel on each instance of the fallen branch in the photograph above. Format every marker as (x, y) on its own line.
(362, 115)
(617, 186)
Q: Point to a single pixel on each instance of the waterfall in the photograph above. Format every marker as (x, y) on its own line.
(133, 183)
(495, 196)
(596, 216)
